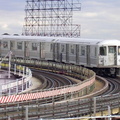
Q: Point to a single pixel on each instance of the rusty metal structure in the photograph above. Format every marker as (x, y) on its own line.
(51, 18)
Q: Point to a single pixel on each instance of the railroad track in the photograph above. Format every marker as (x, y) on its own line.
(57, 80)
(114, 84)
(53, 79)
(53, 109)
(65, 109)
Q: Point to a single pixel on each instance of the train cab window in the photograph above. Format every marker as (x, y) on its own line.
(118, 50)
(103, 51)
(5, 44)
(19, 45)
(111, 49)
(34, 46)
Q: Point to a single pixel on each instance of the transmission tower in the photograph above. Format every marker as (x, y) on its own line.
(51, 18)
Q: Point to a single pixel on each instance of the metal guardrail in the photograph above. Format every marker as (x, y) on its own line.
(82, 88)
(87, 76)
(64, 92)
(11, 87)
(63, 109)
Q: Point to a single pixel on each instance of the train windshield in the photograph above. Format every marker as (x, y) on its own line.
(118, 50)
(111, 49)
(103, 51)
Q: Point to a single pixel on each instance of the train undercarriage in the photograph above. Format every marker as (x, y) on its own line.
(111, 72)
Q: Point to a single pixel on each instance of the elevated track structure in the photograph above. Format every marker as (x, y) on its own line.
(87, 76)
(62, 102)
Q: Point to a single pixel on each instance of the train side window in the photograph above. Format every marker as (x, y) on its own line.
(118, 50)
(51, 47)
(5, 44)
(34, 46)
(103, 51)
(19, 45)
(83, 50)
(62, 48)
(72, 49)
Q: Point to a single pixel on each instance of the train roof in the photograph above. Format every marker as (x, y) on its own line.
(60, 40)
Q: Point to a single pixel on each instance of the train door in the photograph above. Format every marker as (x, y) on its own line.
(88, 55)
(42, 48)
(77, 54)
(11, 45)
(26, 49)
(112, 56)
(57, 51)
(39, 49)
(67, 53)
(53, 51)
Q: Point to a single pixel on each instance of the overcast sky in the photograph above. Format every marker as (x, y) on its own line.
(98, 18)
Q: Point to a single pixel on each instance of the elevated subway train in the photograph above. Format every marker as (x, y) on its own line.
(103, 56)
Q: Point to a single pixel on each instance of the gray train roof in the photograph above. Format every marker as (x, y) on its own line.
(61, 40)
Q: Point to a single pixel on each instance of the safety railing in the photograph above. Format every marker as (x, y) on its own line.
(104, 105)
(82, 88)
(85, 75)
(20, 82)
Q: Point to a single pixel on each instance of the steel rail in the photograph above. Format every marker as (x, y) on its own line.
(113, 86)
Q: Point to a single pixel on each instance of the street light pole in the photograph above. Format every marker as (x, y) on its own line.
(9, 64)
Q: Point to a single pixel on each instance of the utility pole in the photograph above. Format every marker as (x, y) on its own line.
(10, 53)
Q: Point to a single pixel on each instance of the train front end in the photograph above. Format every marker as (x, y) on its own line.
(109, 57)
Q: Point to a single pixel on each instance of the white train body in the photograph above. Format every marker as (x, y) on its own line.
(92, 53)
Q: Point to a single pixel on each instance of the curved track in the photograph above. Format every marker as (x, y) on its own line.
(114, 84)
(62, 109)
(57, 80)
(53, 79)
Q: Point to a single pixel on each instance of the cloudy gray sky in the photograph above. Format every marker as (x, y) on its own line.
(98, 18)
